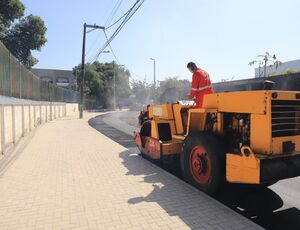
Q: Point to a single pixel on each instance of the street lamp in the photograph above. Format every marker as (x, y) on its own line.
(154, 79)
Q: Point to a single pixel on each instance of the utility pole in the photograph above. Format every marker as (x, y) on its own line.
(114, 87)
(154, 79)
(115, 83)
(83, 63)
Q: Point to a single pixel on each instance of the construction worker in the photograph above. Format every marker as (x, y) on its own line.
(201, 84)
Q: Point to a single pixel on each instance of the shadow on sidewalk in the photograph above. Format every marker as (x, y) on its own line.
(262, 206)
(193, 207)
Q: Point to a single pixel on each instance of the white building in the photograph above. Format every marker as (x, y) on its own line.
(293, 65)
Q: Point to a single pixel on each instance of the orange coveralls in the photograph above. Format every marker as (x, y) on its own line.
(201, 86)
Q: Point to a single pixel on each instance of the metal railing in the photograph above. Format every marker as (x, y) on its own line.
(17, 81)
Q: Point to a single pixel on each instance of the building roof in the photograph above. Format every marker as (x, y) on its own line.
(53, 73)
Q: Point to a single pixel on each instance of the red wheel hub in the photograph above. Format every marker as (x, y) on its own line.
(200, 164)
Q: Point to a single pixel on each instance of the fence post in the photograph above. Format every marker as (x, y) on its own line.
(40, 114)
(23, 121)
(54, 117)
(2, 129)
(46, 114)
(50, 111)
(34, 115)
(29, 114)
(20, 82)
(13, 117)
(11, 80)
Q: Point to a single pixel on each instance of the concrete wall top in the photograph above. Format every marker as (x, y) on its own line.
(17, 101)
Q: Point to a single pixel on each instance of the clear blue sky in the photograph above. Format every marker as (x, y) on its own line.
(221, 36)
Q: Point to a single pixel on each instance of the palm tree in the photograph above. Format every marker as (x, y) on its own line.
(265, 60)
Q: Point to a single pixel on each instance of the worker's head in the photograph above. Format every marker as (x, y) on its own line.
(192, 67)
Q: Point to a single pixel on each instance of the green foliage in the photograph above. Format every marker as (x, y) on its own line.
(22, 36)
(272, 74)
(99, 85)
(264, 60)
(99, 82)
(141, 90)
(289, 71)
(173, 89)
(9, 11)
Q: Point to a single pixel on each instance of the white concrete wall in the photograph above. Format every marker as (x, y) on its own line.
(19, 119)
(71, 109)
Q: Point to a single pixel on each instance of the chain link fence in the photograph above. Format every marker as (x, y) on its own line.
(17, 81)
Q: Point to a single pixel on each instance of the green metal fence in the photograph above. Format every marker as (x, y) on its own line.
(17, 81)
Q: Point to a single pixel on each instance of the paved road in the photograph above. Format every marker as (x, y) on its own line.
(276, 207)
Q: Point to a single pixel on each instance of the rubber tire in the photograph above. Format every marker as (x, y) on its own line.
(213, 146)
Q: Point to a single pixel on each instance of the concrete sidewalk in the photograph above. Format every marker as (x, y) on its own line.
(70, 176)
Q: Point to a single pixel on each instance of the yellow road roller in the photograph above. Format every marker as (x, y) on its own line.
(249, 137)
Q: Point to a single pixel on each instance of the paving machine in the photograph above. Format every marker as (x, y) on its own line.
(249, 137)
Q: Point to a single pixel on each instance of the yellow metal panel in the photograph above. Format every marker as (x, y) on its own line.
(242, 168)
(284, 95)
(178, 120)
(220, 124)
(210, 101)
(260, 133)
(197, 119)
(179, 137)
(154, 130)
(238, 102)
(277, 143)
(157, 111)
(171, 148)
(163, 111)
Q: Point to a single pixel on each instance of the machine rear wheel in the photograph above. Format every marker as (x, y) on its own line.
(203, 162)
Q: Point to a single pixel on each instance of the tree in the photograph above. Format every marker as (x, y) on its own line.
(141, 91)
(23, 36)
(9, 11)
(173, 89)
(93, 85)
(265, 60)
(108, 71)
(99, 82)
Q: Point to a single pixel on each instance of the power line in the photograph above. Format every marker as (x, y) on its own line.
(117, 20)
(109, 19)
(115, 56)
(113, 12)
(111, 49)
(130, 13)
(93, 44)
